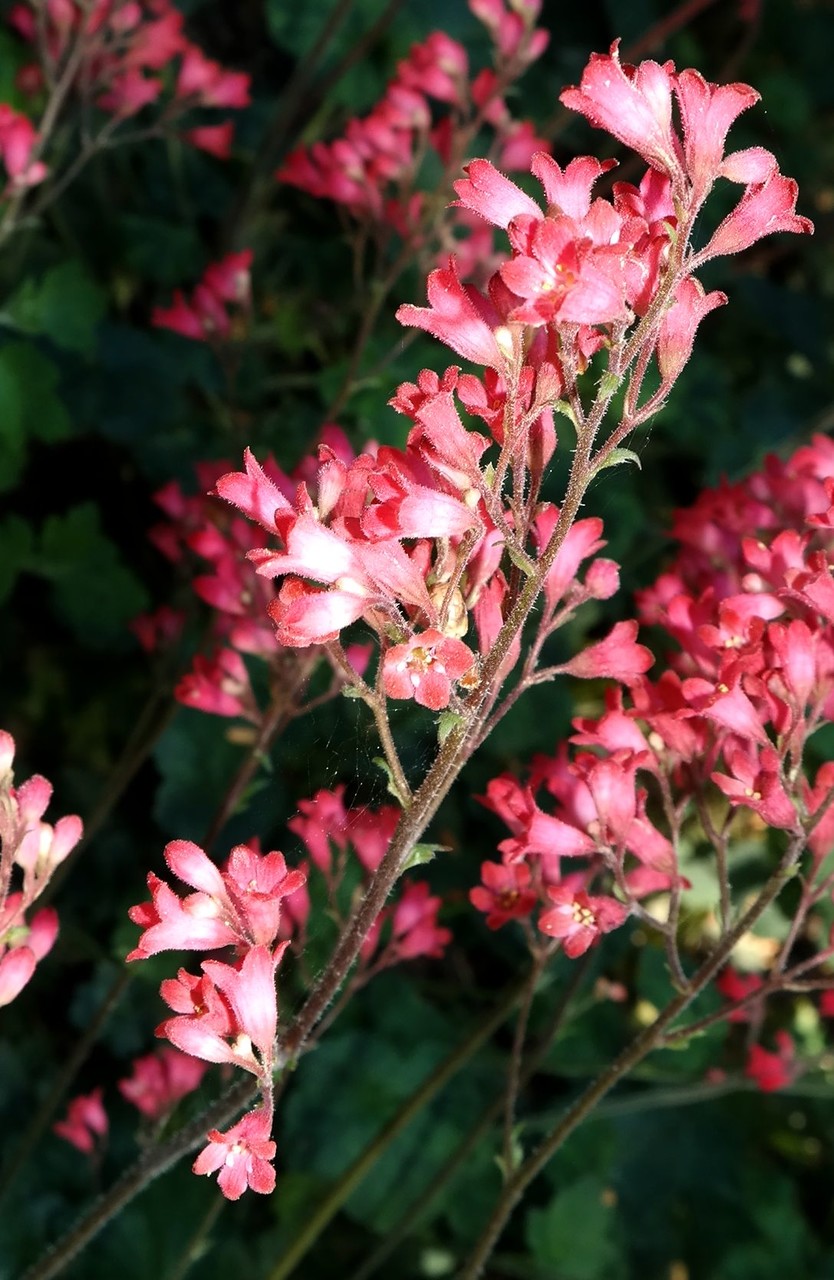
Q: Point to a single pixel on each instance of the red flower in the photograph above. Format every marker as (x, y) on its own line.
(456, 314)
(159, 1080)
(734, 986)
(772, 1071)
(505, 894)
(239, 905)
(579, 919)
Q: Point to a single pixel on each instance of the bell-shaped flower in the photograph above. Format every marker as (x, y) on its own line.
(159, 1080)
(617, 657)
(680, 324)
(633, 104)
(764, 209)
(457, 315)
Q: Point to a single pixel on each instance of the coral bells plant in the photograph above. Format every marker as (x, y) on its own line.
(451, 537)
(437, 582)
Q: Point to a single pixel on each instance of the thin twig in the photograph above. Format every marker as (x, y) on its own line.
(643, 1044)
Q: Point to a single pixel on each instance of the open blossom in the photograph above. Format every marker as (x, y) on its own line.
(239, 905)
(635, 105)
(358, 540)
(505, 893)
(579, 919)
(241, 1156)
(425, 668)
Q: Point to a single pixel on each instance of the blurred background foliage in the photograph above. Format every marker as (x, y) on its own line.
(677, 1177)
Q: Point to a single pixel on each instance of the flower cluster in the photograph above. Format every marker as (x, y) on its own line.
(587, 269)
(34, 849)
(258, 907)
(434, 104)
(228, 1013)
(205, 316)
(210, 542)
(120, 53)
(413, 541)
(157, 1082)
(748, 681)
(407, 928)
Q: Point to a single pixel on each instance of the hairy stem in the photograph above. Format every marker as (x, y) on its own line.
(365, 1161)
(642, 1045)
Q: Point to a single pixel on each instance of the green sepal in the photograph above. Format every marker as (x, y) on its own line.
(447, 721)
(617, 457)
(423, 853)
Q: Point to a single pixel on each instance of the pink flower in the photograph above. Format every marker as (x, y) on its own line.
(210, 83)
(617, 657)
(505, 894)
(633, 104)
(128, 92)
(458, 316)
(562, 276)
(228, 1013)
(579, 919)
(764, 208)
(171, 923)
(219, 685)
(18, 141)
(322, 822)
(239, 905)
(756, 783)
(414, 928)
(16, 968)
(180, 317)
(215, 139)
(707, 112)
(242, 1155)
(425, 668)
(85, 1122)
(495, 198)
(159, 1080)
(680, 324)
(257, 885)
(225, 285)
